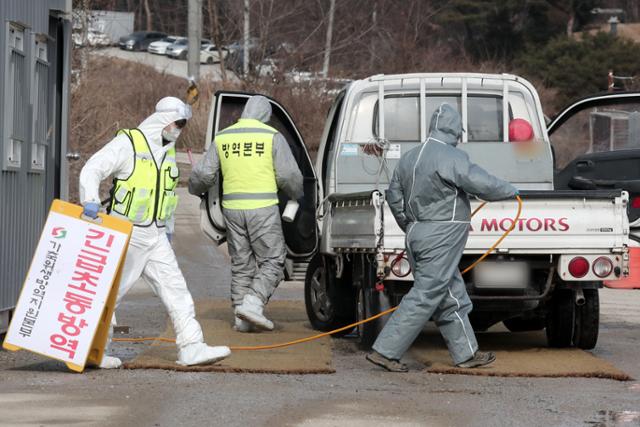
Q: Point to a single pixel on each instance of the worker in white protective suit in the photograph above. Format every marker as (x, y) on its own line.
(143, 164)
(255, 161)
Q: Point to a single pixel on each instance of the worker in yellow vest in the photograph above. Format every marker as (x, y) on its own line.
(143, 164)
(255, 162)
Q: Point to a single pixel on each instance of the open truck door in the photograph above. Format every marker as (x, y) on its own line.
(301, 235)
(596, 142)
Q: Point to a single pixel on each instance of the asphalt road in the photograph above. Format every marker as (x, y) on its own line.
(35, 391)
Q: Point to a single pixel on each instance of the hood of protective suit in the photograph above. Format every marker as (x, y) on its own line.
(168, 110)
(446, 125)
(258, 108)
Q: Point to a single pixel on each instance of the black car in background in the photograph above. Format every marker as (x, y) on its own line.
(140, 40)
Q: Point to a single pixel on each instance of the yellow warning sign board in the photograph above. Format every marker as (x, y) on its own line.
(69, 295)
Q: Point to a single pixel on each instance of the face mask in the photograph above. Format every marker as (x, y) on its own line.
(171, 135)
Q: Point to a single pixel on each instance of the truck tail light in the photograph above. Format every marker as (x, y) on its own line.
(602, 267)
(578, 267)
(400, 267)
(635, 202)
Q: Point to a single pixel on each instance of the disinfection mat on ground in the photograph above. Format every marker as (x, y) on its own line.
(522, 354)
(216, 318)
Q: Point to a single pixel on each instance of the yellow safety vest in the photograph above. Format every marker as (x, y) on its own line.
(245, 150)
(148, 194)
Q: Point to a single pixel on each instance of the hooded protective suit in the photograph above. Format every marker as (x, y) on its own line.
(149, 254)
(254, 235)
(428, 198)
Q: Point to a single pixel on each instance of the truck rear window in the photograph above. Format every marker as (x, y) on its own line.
(402, 116)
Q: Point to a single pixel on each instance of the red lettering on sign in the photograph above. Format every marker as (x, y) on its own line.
(524, 224)
(549, 224)
(534, 224)
(489, 225)
(564, 226)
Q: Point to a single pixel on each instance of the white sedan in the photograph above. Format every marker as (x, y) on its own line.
(160, 47)
(210, 55)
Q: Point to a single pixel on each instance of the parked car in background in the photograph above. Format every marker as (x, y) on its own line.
(160, 47)
(179, 49)
(94, 38)
(140, 40)
(210, 54)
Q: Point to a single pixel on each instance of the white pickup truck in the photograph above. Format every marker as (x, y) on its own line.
(350, 251)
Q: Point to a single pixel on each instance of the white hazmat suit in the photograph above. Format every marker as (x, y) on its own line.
(150, 254)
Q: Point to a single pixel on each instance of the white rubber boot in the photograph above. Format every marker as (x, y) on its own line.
(110, 362)
(251, 310)
(201, 354)
(242, 325)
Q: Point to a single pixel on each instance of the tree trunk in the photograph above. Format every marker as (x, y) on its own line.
(570, 23)
(214, 32)
(327, 46)
(245, 57)
(147, 12)
(374, 25)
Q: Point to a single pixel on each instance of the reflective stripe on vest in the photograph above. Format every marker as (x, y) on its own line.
(148, 194)
(245, 150)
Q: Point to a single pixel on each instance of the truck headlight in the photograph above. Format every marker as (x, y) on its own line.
(602, 267)
(400, 266)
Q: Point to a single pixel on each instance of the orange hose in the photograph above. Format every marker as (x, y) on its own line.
(353, 325)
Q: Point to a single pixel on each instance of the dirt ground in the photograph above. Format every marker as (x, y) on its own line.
(35, 391)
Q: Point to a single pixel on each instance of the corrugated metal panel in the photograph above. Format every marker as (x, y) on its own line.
(22, 215)
(23, 191)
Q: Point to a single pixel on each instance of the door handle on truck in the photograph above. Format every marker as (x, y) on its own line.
(584, 165)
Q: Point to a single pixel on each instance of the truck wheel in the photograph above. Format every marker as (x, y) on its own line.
(370, 302)
(585, 335)
(560, 319)
(330, 302)
(519, 324)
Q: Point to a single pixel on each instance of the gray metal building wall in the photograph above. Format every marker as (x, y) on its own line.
(34, 110)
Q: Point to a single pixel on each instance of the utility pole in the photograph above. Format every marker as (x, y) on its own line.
(245, 56)
(194, 34)
(327, 46)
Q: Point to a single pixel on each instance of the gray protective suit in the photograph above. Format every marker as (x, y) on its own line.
(256, 242)
(428, 197)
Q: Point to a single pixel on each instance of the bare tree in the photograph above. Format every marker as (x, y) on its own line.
(327, 45)
(245, 36)
(214, 32)
(147, 12)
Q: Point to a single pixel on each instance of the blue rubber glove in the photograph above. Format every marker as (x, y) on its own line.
(91, 209)
(517, 192)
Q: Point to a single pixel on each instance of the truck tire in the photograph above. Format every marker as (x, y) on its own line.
(560, 319)
(519, 324)
(329, 301)
(587, 322)
(370, 302)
